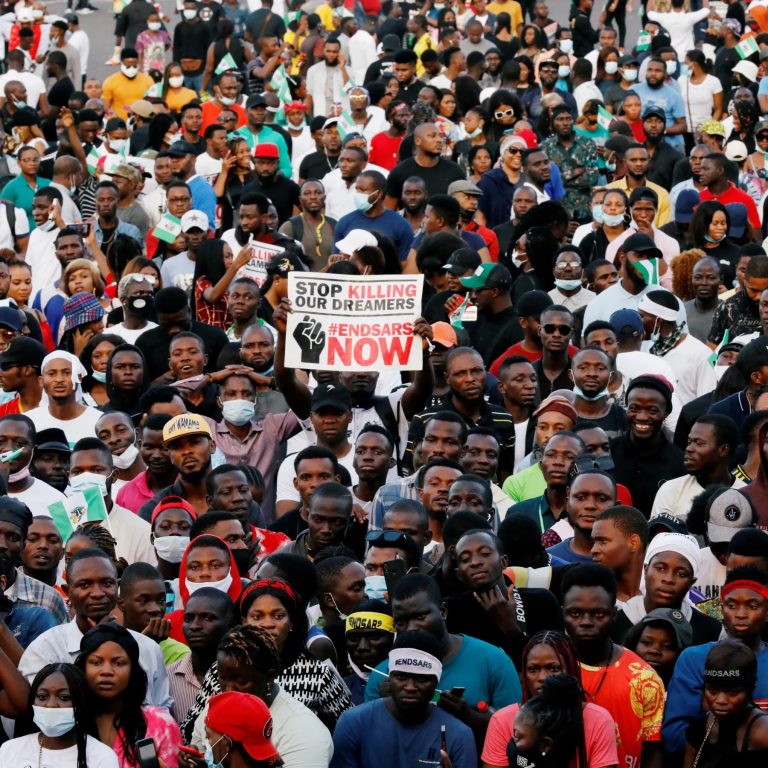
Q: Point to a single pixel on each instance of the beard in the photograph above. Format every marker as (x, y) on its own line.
(332, 63)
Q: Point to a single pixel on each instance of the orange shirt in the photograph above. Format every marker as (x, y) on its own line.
(211, 111)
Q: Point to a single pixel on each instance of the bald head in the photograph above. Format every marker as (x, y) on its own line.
(423, 129)
(66, 166)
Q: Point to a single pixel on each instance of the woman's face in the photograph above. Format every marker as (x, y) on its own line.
(530, 37)
(657, 647)
(632, 107)
(228, 256)
(718, 227)
(724, 703)
(101, 356)
(108, 670)
(449, 19)
(525, 73)
(54, 692)
(243, 155)
(170, 134)
(175, 71)
(268, 613)
(393, 87)
(613, 205)
(448, 105)
(504, 114)
(513, 158)
(542, 663)
(29, 162)
(21, 284)
(471, 121)
(80, 281)
(482, 162)
(153, 273)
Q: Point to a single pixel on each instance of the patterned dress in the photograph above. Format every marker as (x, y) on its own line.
(578, 189)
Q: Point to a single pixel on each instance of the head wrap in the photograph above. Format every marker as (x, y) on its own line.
(412, 661)
(557, 404)
(755, 586)
(657, 310)
(78, 371)
(680, 543)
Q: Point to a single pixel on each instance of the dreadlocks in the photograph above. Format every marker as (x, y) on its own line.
(252, 647)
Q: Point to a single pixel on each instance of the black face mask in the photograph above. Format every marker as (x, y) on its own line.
(466, 215)
(242, 557)
(142, 305)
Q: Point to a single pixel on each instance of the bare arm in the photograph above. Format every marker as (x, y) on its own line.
(15, 689)
(215, 292)
(295, 392)
(416, 397)
(208, 67)
(717, 101)
(677, 127)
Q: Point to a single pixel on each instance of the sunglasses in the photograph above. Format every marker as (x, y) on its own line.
(567, 264)
(551, 328)
(762, 136)
(514, 151)
(138, 277)
(389, 537)
(504, 113)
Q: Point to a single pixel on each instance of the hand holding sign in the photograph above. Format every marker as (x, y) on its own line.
(310, 336)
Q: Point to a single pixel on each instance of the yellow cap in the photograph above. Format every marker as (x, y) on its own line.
(185, 424)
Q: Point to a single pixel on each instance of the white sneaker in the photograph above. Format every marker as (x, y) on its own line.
(85, 11)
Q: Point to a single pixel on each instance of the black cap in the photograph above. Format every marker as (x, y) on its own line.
(15, 512)
(753, 356)
(181, 149)
(255, 101)
(331, 395)
(674, 619)
(628, 59)
(52, 439)
(463, 260)
(533, 303)
(666, 522)
(654, 110)
(641, 243)
(391, 43)
(24, 351)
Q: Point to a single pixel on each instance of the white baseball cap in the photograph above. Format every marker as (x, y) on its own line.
(192, 219)
(355, 240)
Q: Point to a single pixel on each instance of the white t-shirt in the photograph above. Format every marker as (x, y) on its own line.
(579, 299)
(25, 751)
(74, 429)
(41, 257)
(21, 227)
(690, 362)
(129, 335)
(676, 496)
(711, 574)
(698, 99)
(132, 536)
(38, 497)
(286, 491)
(521, 430)
(208, 167)
(178, 271)
(680, 26)
(82, 44)
(34, 85)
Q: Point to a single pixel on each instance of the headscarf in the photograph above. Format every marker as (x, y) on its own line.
(78, 372)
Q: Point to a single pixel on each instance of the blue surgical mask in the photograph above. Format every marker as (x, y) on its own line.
(208, 755)
(86, 480)
(375, 587)
(100, 376)
(54, 721)
(238, 412)
(684, 71)
(361, 202)
(566, 46)
(589, 398)
(613, 220)
(597, 213)
(712, 239)
(567, 285)
(474, 134)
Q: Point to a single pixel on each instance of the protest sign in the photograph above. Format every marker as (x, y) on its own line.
(261, 255)
(345, 323)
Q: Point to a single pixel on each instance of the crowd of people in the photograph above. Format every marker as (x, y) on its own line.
(547, 546)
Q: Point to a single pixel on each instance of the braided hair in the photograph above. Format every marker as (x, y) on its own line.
(251, 647)
(103, 540)
(563, 648)
(556, 714)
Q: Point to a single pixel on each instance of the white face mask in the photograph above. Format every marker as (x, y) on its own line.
(222, 584)
(567, 285)
(671, 67)
(129, 72)
(226, 101)
(189, 14)
(611, 67)
(630, 75)
(518, 262)
(563, 71)
(566, 46)
(238, 412)
(47, 225)
(86, 480)
(176, 82)
(154, 26)
(54, 721)
(613, 219)
(126, 458)
(118, 144)
(171, 548)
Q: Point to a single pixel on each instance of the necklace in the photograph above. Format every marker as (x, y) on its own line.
(605, 674)
(40, 754)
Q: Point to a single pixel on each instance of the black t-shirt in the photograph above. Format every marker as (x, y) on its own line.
(437, 178)
(316, 165)
(265, 22)
(61, 90)
(409, 93)
(210, 13)
(283, 193)
(495, 332)
(291, 524)
(190, 41)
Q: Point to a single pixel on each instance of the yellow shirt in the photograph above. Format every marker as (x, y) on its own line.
(325, 12)
(424, 43)
(121, 91)
(512, 7)
(176, 98)
(663, 214)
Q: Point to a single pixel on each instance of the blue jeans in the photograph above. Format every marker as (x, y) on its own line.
(196, 82)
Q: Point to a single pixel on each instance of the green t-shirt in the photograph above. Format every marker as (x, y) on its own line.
(525, 485)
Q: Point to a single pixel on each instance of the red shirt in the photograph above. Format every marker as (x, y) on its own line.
(12, 406)
(384, 149)
(518, 349)
(211, 111)
(491, 241)
(734, 195)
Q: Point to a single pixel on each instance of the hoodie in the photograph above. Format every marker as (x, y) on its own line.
(757, 490)
(235, 588)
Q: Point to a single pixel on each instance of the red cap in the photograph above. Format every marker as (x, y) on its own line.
(267, 150)
(173, 502)
(529, 136)
(246, 720)
(296, 105)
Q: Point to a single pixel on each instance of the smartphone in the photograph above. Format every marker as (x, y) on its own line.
(394, 570)
(458, 691)
(83, 229)
(147, 753)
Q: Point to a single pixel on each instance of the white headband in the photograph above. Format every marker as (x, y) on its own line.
(414, 662)
(658, 310)
(680, 543)
(78, 370)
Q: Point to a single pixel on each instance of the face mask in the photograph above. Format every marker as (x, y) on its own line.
(54, 721)
(129, 72)
(189, 14)
(566, 46)
(118, 144)
(655, 333)
(176, 82)
(710, 239)
(589, 398)
(361, 202)
(72, 187)
(141, 305)
(563, 71)
(518, 262)
(630, 75)
(208, 753)
(86, 481)
(238, 412)
(611, 67)
(375, 587)
(22, 474)
(20, 104)
(126, 458)
(597, 213)
(154, 26)
(684, 71)
(100, 376)
(567, 285)
(613, 220)
(466, 215)
(171, 548)
(671, 67)
(477, 132)
(222, 584)
(610, 166)
(47, 225)
(226, 101)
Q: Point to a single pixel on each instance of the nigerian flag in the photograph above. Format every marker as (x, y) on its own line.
(747, 47)
(604, 118)
(279, 84)
(225, 65)
(167, 228)
(74, 510)
(649, 270)
(92, 161)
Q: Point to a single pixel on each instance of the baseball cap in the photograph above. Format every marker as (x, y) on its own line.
(674, 619)
(267, 150)
(330, 121)
(641, 243)
(713, 128)
(72, 18)
(628, 59)
(533, 303)
(748, 69)
(80, 309)
(194, 219)
(246, 720)
(654, 110)
(255, 101)
(488, 275)
(125, 171)
(444, 334)
(23, 350)
(185, 424)
(391, 44)
(728, 512)
(753, 356)
(685, 205)
(467, 187)
(462, 260)
(173, 502)
(626, 324)
(528, 136)
(333, 395)
(762, 125)
(737, 213)
(666, 522)
(52, 439)
(736, 150)
(181, 149)
(142, 108)
(11, 318)
(355, 240)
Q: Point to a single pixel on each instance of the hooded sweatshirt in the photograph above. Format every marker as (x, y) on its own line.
(757, 490)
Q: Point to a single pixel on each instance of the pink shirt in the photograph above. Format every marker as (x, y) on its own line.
(599, 737)
(164, 731)
(135, 493)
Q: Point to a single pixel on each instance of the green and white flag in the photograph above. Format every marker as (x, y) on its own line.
(79, 508)
(279, 84)
(604, 118)
(93, 158)
(155, 91)
(747, 47)
(345, 125)
(168, 228)
(643, 41)
(291, 16)
(649, 269)
(225, 65)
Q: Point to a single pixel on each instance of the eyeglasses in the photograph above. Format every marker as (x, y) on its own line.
(567, 264)
(389, 537)
(563, 330)
(139, 277)
(504, 113)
